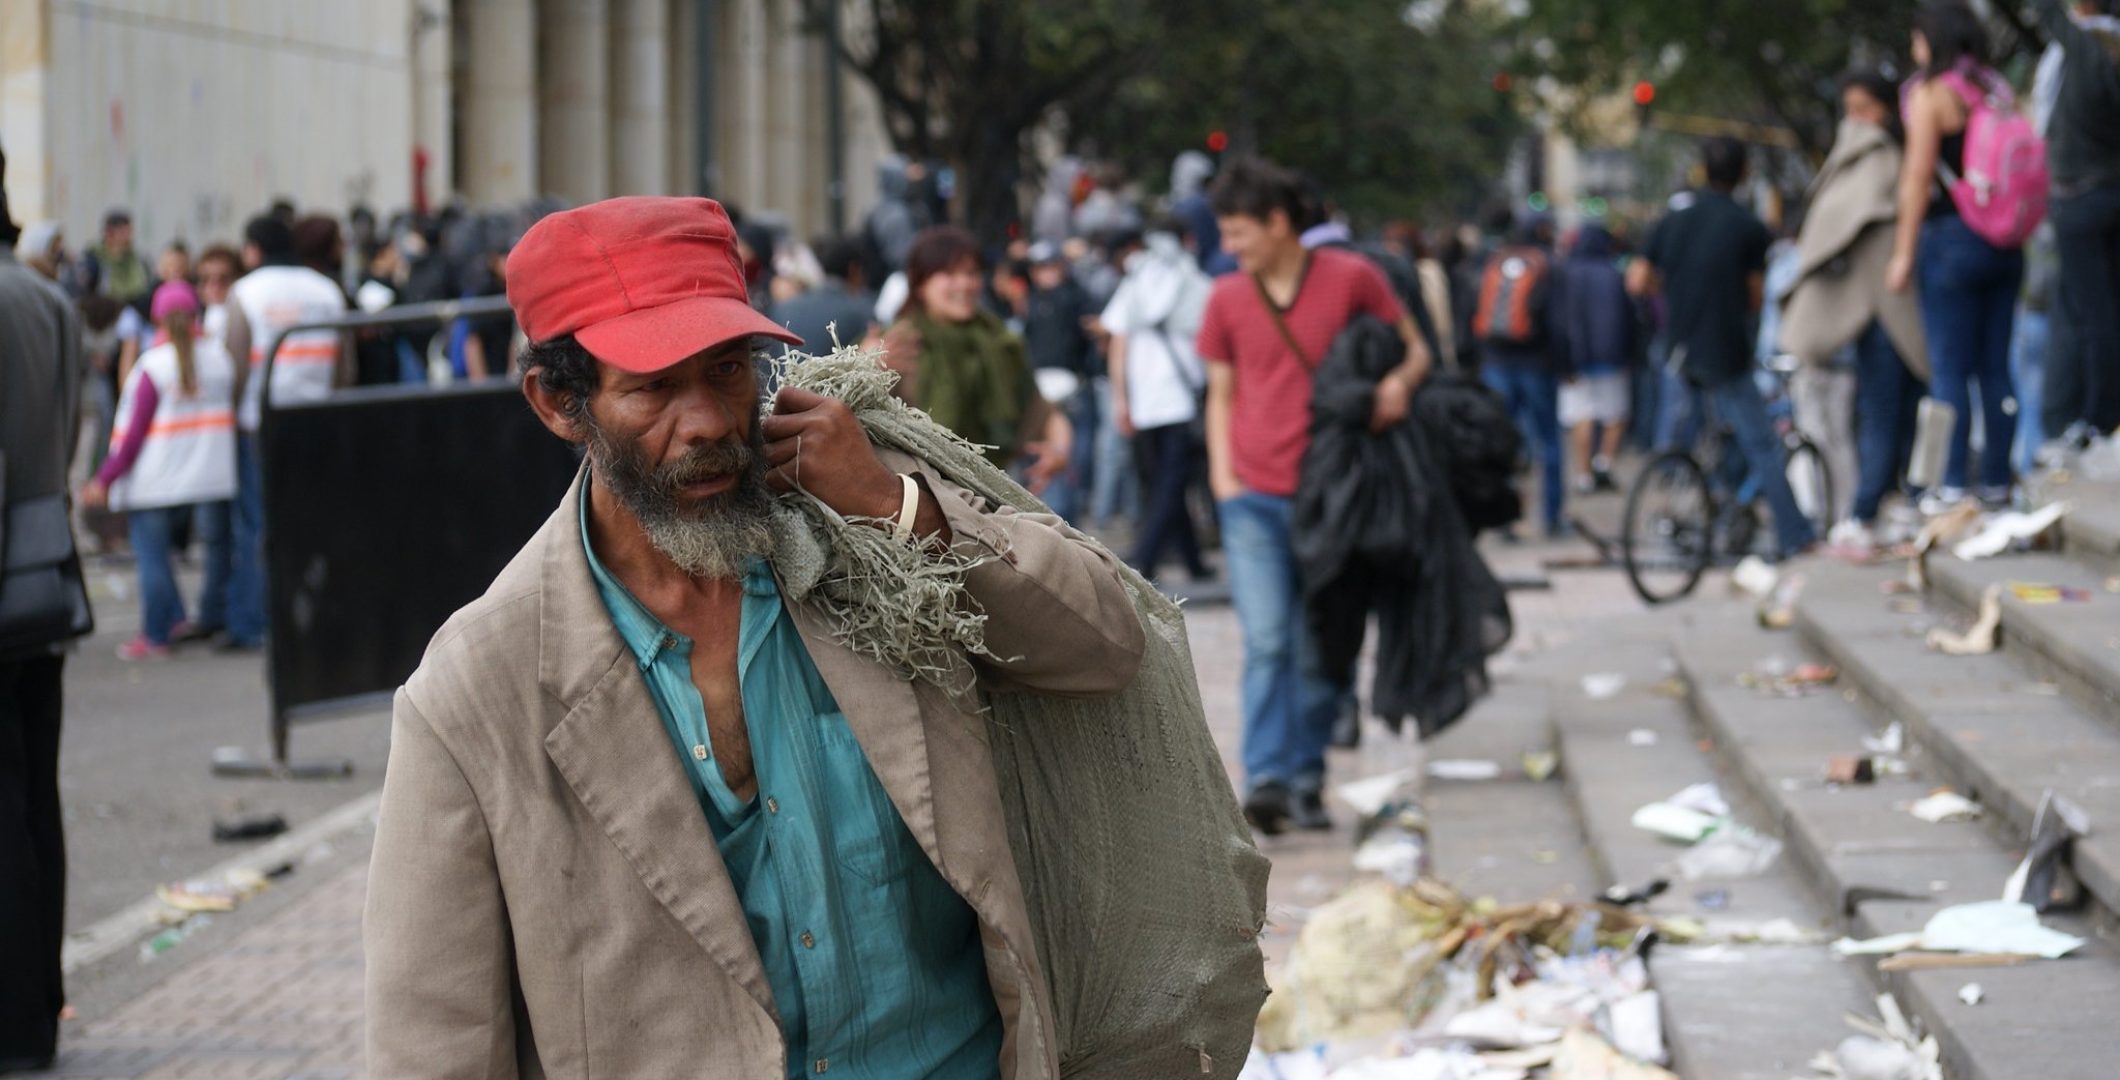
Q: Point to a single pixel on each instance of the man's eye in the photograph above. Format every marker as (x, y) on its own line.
(653, 386)
(727, 368)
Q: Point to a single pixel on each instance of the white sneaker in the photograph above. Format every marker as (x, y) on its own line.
(1851, 534)
(1940, 500)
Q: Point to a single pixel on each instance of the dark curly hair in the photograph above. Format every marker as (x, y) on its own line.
(565, 369)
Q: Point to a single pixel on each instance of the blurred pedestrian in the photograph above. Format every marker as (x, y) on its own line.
(2082, 390)
(961, 365)
(43, 249)
(1264, 331)
(1709, 262)
(1056, 334)
(1523, 356)
(174, 463)
(40, 386)
(1157, 383)
(1839, 302)
(839, 307)
(887, 233)
(112, 268)
(270, 300)
(1968, 284)
(1597, 330)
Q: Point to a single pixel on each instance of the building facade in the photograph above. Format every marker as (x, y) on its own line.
(195, 115)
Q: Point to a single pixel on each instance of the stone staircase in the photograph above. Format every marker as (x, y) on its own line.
(2041, 713)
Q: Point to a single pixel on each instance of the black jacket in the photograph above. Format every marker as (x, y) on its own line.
(1378, 529)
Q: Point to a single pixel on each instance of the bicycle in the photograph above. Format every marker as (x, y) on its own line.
(1691, 508)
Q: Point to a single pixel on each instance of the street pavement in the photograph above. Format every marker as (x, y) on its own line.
(272, 991)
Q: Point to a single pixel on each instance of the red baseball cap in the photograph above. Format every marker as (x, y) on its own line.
(642, 282)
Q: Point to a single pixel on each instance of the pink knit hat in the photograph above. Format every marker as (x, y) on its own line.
(173, 296)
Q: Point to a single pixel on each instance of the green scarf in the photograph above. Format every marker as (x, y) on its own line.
(975, 380)
(124, 276)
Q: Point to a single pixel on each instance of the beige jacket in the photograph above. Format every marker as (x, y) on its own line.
(1843, 252)
(545, 897)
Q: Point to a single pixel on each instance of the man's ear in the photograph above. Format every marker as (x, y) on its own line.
(554, 409)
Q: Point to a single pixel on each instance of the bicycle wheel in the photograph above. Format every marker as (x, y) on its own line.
(1667, 537)
(1811, 483)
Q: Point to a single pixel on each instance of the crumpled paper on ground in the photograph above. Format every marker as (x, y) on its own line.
(1985, 928)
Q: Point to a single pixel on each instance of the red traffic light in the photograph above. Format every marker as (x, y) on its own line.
(1218, 141)
(1644, 93)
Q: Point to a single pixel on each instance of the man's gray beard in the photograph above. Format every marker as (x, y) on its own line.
(718, 538)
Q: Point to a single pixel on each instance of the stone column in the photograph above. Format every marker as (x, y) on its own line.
(574, 136)
(640, 97)
(25, 68)
(433, 101)
(499, 101)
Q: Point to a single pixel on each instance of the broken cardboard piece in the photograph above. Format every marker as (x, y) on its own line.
(1979, 638)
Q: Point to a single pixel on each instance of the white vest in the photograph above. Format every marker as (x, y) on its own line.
(189, 455)
(272, 299)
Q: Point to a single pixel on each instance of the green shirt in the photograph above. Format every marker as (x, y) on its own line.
(874, 961)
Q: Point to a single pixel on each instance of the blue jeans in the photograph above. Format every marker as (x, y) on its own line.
(246, 564)
(214, 525)
(1533, 398)
(1887, 396)
(161, 605)
(1738, 403)
(1968, 304)
(1677, 412)
(1113, 488)
(1288, 706)
(2028, 353)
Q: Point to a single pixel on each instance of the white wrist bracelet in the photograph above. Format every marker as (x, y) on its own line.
(908, 509)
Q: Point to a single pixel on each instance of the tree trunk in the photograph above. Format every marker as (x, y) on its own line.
(989, 160)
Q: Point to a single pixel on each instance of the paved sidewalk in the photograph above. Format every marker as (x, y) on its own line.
(281, 998)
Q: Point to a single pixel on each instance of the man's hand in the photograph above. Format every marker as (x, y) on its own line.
(814, 444)
(1394, 401)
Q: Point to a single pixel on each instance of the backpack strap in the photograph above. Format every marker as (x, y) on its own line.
(1273, 311)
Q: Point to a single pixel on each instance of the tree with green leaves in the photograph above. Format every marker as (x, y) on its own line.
(1391, 116)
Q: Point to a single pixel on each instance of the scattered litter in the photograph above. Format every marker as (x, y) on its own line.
(1972, 994)
(173, 936)
(1394, 842)
(251, 827)
(2002, 530)
(1584, 1056)
(1754, 577)
(1944, 805)
(1774, 676)
(1464, 769)
(2033, 593)
(1885, 1050)
(1369, 794)
(1622, 896)
(1604, 685)
(1674, 822)
(1540, 765)
(1713, 899)
(1846, 769)
(1545, 856)
(1938, 961)
(1892, 740)
(1730, 851)
(1978, 639)
(1705, 797)
(1672, 687)
(1641, 736)
(2054, 827)
(1984, 928)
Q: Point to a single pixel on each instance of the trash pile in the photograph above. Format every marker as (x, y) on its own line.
(189, 906)
(1413, 982)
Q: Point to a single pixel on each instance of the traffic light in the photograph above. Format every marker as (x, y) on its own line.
(1218, 140)
(1645, 93)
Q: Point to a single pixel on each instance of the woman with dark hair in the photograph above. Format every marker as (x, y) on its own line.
(963, 366)
(1839, 301)
(1968, 285)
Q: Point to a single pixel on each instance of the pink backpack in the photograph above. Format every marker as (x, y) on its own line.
(2002, 195)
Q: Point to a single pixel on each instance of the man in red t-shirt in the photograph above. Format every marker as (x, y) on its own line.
(1266, 329)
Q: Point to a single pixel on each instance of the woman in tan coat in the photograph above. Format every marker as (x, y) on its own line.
(1841, 299)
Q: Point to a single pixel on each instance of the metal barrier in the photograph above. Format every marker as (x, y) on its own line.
(386, 509)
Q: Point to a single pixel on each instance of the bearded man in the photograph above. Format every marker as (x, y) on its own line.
(645, 817)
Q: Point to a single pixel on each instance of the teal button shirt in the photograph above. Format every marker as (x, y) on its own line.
(874, 961)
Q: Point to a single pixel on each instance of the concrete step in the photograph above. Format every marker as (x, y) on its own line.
(1988, 727)
(2076, 646)
(1742, 1012)
(2091, 530)
(1887, 871)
